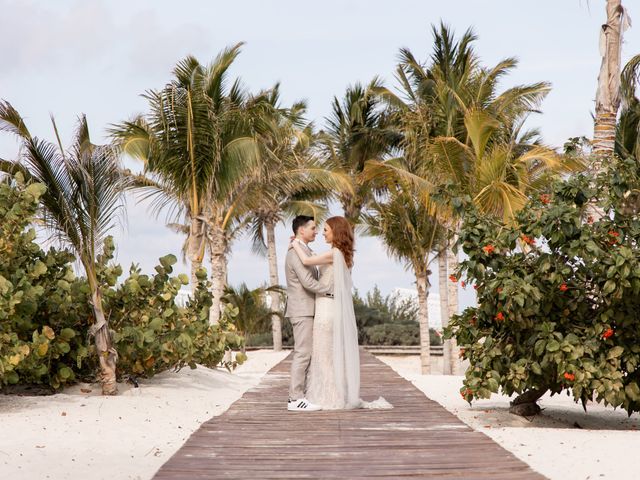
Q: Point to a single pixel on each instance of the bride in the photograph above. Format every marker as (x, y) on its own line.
(334, 372)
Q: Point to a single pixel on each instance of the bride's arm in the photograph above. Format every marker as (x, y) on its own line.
(325, 258)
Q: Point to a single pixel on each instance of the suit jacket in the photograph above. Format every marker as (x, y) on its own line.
(302, 285)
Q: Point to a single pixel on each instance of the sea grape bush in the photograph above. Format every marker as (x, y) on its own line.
(558, 294)
(45, 312)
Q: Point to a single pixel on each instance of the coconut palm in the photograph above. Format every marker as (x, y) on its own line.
(628, 129)
(254, 315)
(437, 105)
(199, 151)
(357, 130)
(410, 233)
(82, 203)
(608, 91)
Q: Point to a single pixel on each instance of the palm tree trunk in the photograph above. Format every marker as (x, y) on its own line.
(422, 283)
(452, 294)
(217, 252)
(443, 286)
(608, 93)
(276, 323)
(107, 355)
(196, 251)
(352, 209)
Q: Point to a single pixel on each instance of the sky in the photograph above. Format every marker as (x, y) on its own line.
(97, 57)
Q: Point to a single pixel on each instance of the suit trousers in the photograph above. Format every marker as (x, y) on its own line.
(302, 344)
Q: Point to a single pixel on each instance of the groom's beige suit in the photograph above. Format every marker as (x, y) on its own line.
(302, 285)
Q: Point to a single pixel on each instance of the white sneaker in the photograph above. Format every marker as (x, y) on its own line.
(302, 405)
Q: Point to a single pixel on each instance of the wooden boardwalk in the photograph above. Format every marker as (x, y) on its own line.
(258, 439)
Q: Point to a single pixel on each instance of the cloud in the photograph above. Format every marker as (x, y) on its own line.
(44, 36)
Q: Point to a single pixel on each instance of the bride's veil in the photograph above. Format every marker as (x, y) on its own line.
(346, 356)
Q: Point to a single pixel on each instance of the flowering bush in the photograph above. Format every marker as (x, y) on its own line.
(561, 312)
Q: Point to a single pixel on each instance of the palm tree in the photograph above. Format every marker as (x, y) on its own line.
(253, 314)
(291, 181)
(358, 130)
(82, 203)
(628, 129)
(410, 232)
(608, 92)
(199, 151)
(437, 106)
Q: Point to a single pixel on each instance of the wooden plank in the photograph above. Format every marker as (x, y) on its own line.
(258, 439)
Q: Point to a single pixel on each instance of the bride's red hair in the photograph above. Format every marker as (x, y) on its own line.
(342, 237)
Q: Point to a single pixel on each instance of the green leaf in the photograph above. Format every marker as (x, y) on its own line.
(156, 324)
(609, 286)
(553, 345)
(632, 391)
(168, 260)
(615, 352)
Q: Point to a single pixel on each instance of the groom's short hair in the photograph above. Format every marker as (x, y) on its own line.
(300, 221)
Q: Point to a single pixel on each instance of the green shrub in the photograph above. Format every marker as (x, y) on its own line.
(558, 294)
(39, 342)
(45, 312)
(152, 333)
(397, 334)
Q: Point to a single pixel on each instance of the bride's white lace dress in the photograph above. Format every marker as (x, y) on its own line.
(334, 372)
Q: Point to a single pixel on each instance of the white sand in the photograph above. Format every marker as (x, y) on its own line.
(606, 447)
(76, 434)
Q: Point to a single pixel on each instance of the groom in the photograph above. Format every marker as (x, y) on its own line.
(302, 285)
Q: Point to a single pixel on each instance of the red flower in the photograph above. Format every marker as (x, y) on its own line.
(545, 198)
(608, 333)
(463, 285)
(613, 233)
(589, 219)
(563, 287)
(475, 287)
(466, 392)
(488, 249)
(500, 316)
(453, 278)
(461, 353)
(528, 240)
(569, 376)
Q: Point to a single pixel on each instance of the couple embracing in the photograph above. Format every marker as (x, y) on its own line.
(325, 370)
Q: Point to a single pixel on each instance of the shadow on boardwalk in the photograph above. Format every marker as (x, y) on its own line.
(258, 439)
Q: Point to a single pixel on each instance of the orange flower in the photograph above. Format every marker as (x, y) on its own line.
(466, 392)
(613, 233)
(545, 198)
(563, 287)
(500, 316)
(608, 333)
(488, 249)
(453, 278)
(569, 376)
(528, 240)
